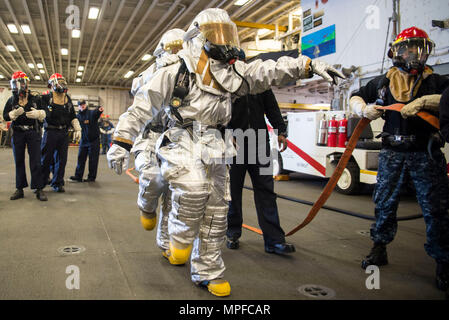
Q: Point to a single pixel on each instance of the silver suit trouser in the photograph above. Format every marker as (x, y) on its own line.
(200, 195)
(151, 187)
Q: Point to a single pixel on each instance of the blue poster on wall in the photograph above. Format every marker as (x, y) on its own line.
(319, 43)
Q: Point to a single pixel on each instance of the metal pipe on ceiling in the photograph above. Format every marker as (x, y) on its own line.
(13, 15)
(58, 33)
(92, 44)
(119, 11)
(10, 55)
(130, 38)
(83, 30)
(19, 52)
(135, 11)
(149, 35)
(34, 33)
(43, 20)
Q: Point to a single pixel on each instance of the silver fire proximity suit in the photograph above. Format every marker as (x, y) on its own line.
(194, 161)
(151, 183)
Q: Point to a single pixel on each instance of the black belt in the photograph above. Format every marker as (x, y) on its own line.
(23, 127)
(51, 127)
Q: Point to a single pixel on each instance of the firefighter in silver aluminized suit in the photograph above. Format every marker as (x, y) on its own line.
(151, 183)
(191, 153)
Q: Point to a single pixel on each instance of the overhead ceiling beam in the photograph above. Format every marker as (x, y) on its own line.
(156, 27)
(92, 44)
(270, 17)
(111, 28)
(44, 24)
(18, 51)
(13, 15)
(34, 33)
(12, 69)
(255, 25)
(117, 43)
(80, 42)
(151, 47)
(131, 37)
(58, 33)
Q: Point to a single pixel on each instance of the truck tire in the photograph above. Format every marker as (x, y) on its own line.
(349, 182)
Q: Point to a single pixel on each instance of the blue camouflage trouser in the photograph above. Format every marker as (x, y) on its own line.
(432, 192)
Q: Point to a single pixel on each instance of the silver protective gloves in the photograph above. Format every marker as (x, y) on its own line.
(14, 114)
(359, 107)
(118, 158)
(36, 114)
(326, 71)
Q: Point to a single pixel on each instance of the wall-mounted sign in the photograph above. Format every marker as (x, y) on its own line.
(319, 43)
(318, 22)
(307, 23)
(306, 13)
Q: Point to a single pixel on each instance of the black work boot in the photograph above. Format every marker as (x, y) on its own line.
(377, 256)
(41, 195)
(442, 276)
(280, 248)
(232, 244)
(17, 194)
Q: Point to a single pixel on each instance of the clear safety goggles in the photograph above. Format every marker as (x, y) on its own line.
(221, 33)
(19, 84)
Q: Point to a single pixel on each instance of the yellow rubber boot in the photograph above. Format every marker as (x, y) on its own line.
(167, 254)
(148, 220)
(218, 287)
(178, 253)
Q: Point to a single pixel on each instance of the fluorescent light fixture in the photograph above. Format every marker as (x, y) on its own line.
(146, 57)
(76, 33)
(12, 28)
(25, 29)
(241, 2)
(31, 65)
(11, 48)
(42, 71)
(93, 13)
(64, 51)
(2, 76)
(78, 80)
(40, 65)
(37, 77)
(128, 74)
(80, 68)
(79, 73)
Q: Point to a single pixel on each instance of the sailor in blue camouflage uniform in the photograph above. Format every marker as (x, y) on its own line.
(410, 148)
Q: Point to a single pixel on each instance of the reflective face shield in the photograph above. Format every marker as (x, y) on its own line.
(19, 85)
(59, 85)
(222, 41)
(221, 33)
(412, 54)
(173, 46)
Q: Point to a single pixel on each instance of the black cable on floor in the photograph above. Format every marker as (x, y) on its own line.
(347, 212)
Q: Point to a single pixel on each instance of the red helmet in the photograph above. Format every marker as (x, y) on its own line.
(19, 82)
(410, 50)
(58, 83)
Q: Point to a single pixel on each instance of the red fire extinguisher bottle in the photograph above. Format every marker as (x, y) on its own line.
(332, 132)
(342, 136)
